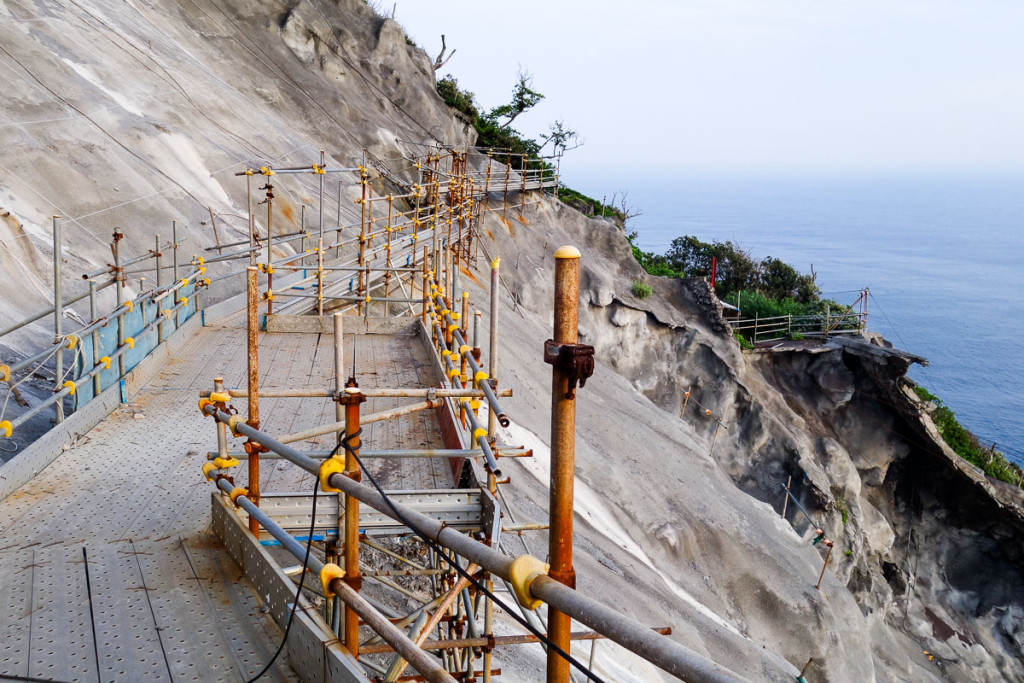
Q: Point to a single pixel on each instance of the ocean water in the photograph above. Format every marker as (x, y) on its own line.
(943, 257)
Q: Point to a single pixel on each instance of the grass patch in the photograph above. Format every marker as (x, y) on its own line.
(641, 290)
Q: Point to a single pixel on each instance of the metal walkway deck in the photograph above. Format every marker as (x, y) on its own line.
(132, 494)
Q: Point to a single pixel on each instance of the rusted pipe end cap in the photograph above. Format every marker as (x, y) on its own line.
(567, 251)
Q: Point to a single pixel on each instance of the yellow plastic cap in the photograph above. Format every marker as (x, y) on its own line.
(567, 251)
(496, 263)
(329, 572)
(236, 492)
(329, 467)
(523, 570)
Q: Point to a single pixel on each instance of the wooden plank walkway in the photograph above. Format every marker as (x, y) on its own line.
(168, 604)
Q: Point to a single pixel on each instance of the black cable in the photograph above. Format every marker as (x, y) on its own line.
(92, 618)
(302, 580)
(30, 679)
(543, 637)
(145, 589)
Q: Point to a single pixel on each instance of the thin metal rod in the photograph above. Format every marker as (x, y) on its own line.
(58, 312)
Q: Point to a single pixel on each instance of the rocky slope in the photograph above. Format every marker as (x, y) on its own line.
(135, 113)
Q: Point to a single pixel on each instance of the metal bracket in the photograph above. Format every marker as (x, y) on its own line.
(575, 360)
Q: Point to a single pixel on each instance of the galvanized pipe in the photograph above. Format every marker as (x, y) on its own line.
(93, 314)
(58, 312)
(120, 298)
(429, 392)
(335, 427)
(42, 314)
(398, 454)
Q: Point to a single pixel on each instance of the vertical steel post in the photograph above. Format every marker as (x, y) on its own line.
(270, 249)
(93, 315)
(563, 454)
(159, 282)
(58, 315)
(387, 252)
(252, 219)
(423, 313)
(174, 238)
(320, 270)
(222, 429)
(253, 356)
(492, 351)
(362, 238)
(352, 399)
(119, 289)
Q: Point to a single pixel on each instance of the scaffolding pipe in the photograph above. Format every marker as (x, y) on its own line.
(253, 376)
(662, 652)
(58, 312)
(421, 660)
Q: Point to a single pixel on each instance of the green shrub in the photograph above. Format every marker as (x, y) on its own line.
(641, 290)
(743, 341)
(966, 445)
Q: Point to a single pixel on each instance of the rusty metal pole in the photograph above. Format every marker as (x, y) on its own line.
(492, 351)
(828, 557)
(785, 501)
(423, 313)
(351, 398)
(563, 454)
(253, 354)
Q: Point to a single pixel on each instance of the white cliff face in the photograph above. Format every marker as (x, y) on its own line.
(862, 460)
(133, 115)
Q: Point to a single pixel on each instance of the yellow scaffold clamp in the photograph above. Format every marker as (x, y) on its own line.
(220, 397)
(130, 305)
(319, 170)
(130, 342)
(203, 402)
(465, 348)
(6, 429)
(478, 432)
(70, 386)
(329, 572)
(523, 570)
(479, 377)
(236, 492)
(5, 373)
(329, 467)
(269, 295)
(199, 260)
(72, 340)
(106, 362)
(224, 463)
(168, 312)
(233, 424)
(208, 469)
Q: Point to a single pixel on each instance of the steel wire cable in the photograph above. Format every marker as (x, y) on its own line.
(481, 587)
(302, 580)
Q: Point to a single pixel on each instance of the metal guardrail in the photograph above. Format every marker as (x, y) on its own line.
(759, 331)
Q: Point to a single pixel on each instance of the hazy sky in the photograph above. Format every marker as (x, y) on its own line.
(750, 85)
